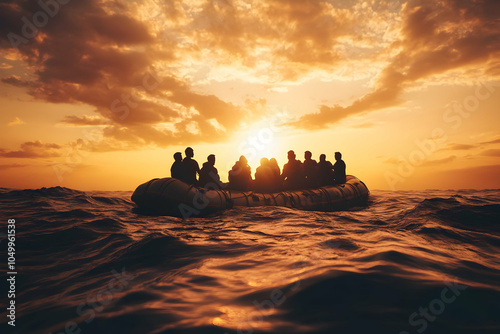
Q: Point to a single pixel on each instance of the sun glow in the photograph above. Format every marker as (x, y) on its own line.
(256, 143)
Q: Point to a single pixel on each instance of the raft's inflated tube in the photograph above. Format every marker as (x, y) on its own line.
(173, 197)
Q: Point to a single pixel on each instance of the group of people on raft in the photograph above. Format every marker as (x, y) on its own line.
(268, 176)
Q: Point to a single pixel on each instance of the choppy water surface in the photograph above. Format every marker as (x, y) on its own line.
(410, 262)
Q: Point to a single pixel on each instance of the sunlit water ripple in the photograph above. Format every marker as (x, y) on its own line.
(410, 262)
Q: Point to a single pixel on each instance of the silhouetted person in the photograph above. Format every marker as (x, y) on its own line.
(276, 184)
(264, 176)
(176, 170)
(293, 173)
(339, 169)
(324, 171)
(309, 169)
(190, 167)
(274, 165)
(209, 174)
(240, 176)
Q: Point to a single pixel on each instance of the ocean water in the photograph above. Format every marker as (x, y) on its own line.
(409, 262)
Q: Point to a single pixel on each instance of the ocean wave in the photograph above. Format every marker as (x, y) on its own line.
(258, 270)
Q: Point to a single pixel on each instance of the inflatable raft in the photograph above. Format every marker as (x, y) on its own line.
(172, 197)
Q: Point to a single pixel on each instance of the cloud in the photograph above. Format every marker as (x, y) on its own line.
(458, 147)
(426, 163)
(5, 66)
(15, 121)
(491, 142)
(437, 162)
(107, 56)
(33, 149)
(436, 37)
(278, 89)
(381, 98)
(138, 63)
(365, 125)
(478, 177)
(16, 81)
(9, 166)
(392, 161)
(468, 147)
(84, 120)
(287, 40)
(491, 153)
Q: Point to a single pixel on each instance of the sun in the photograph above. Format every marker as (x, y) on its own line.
(256, 142)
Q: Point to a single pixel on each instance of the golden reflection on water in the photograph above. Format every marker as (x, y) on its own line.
(234, 289)
(244, 318)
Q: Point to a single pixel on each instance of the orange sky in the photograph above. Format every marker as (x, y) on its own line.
(98, 95)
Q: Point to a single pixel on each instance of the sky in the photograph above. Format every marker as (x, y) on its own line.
(99, 95)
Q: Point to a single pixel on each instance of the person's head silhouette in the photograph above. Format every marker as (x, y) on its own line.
(178, 156)
(189, 152)
(338, 155)
(307, 155)
(264, 162)
(211, 159)
(291, 155)
(243, 160)
(322, 157)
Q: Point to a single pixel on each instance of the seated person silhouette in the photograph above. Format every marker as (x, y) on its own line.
(293, 173)
(276, 184)
(309, 169)
(264, 175)
(190, 167)
(240, 176)
(176, 170)
(324, 172)
(339, 169)
(274, 165)
(209, 174)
